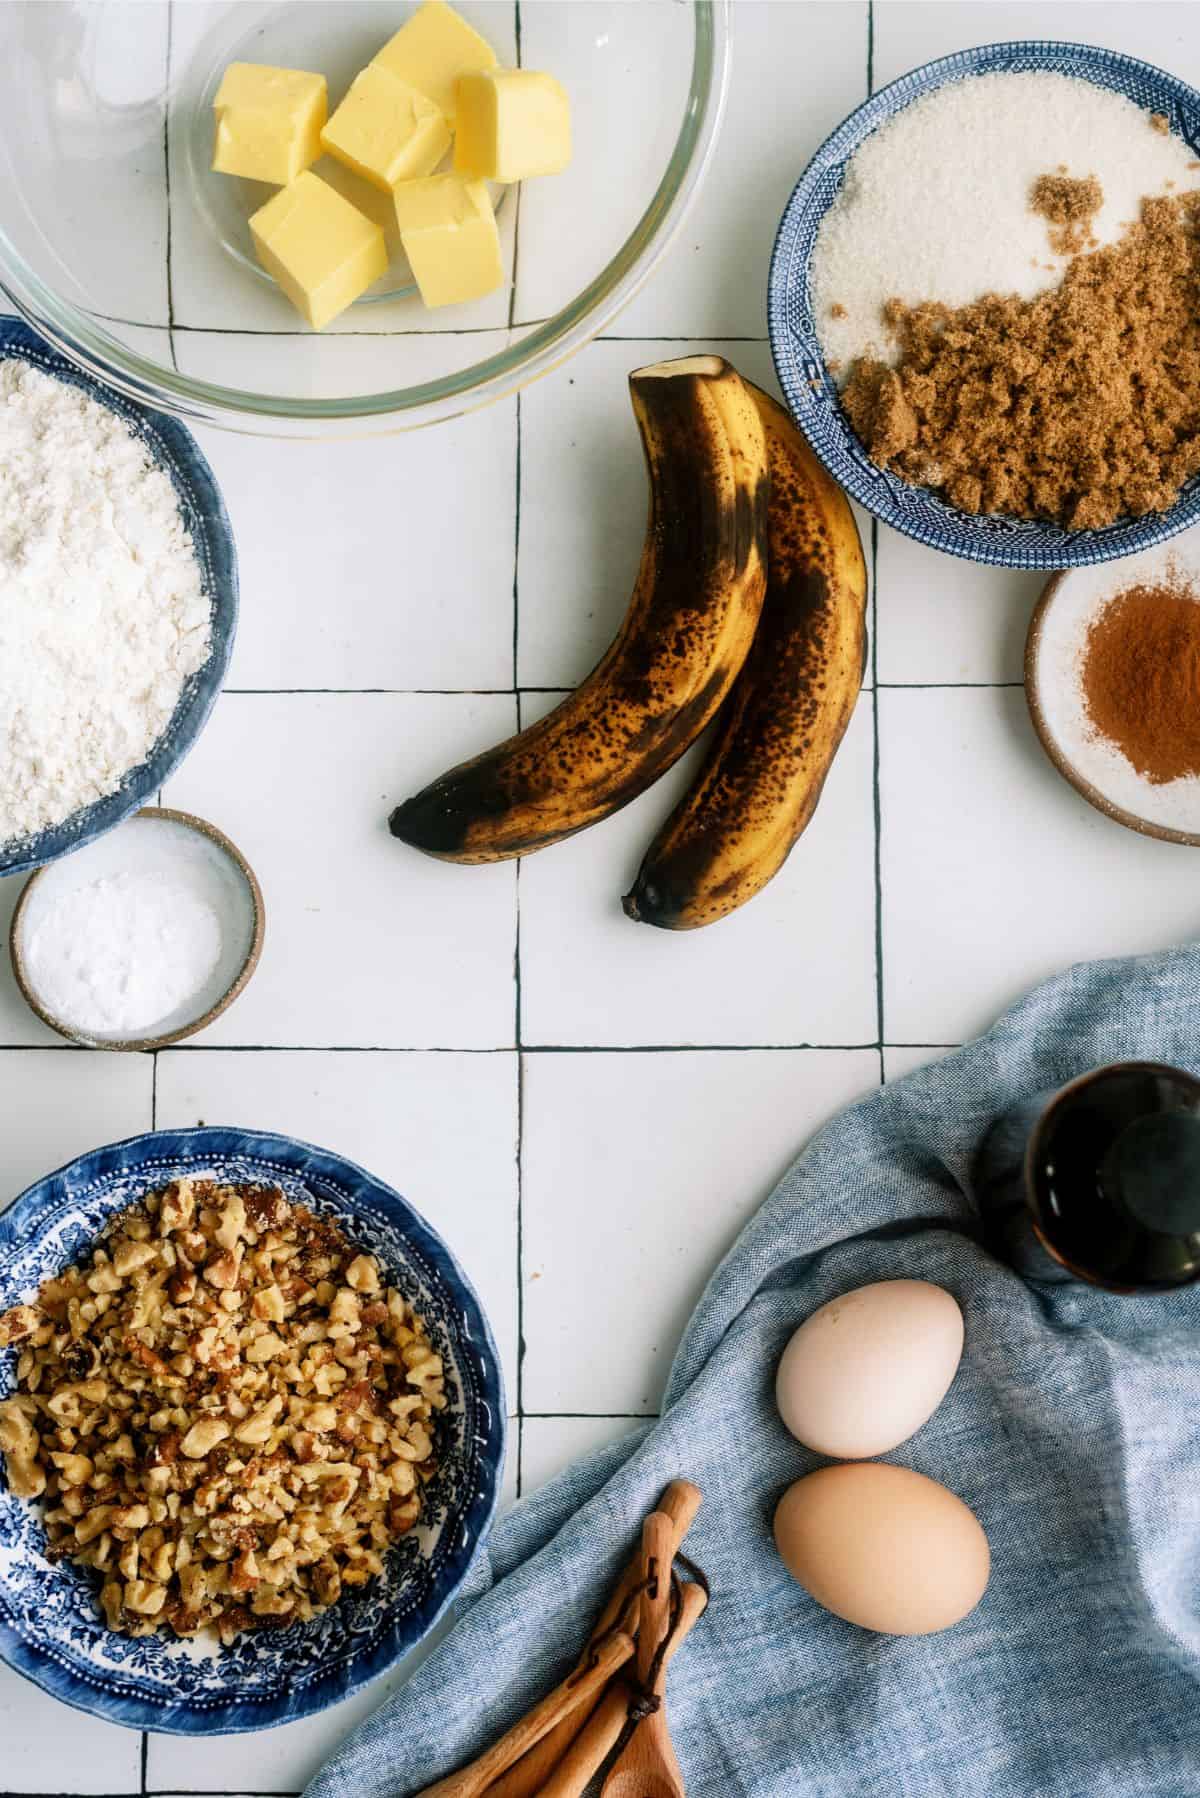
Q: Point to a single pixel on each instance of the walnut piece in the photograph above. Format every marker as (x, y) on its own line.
(225, 1411)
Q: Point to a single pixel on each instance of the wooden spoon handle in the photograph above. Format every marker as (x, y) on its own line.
(658, 1552)
(600, 1734)
(680, 1502)
(575, 1693)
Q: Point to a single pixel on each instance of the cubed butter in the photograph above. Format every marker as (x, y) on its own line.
(322, 251)
(385, 130)
(268, 122)
(512, 123)
(448, 231)
(433, 50)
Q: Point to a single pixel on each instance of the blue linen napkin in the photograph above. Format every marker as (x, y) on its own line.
(1072, 1430)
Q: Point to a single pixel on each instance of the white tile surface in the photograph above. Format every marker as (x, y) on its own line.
(402, 1116)
(797, 71)
(796, 965)
(338, 591)
(303, 784)
(908, 32)
(389, 564)
(49, 1748)
(551, 1444)
(995, 872)
(948, 621)
(703, 1137)
(56, 1103)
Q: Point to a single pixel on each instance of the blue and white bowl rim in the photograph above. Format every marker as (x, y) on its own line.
(810, 390)
(56, 1203)
(174, 449)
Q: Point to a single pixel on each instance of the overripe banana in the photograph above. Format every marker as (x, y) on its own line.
(788, 711)
(690, 623)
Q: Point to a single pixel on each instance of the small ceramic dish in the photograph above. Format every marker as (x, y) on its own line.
(810, 389)
(51, 1627)
(156, 841)
(1054, 653)
(175, 450)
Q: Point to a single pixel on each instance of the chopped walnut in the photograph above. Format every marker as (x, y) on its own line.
(227, 1411)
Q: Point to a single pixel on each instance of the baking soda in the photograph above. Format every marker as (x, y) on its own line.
(935, 204)
(140, 933)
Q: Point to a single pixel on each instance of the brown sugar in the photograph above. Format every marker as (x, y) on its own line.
(1160, 122)
(1070, 203)
(1081, 405)
(1141, 679)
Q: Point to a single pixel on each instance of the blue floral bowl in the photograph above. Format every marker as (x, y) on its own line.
(51, 1628)
(175, 450)
(810, 389)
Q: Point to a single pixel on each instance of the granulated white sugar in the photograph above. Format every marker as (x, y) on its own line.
(103, 614)
(935, 204)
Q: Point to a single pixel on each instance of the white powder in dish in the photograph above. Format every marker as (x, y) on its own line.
(1058, 681)
(103, 615)
(935, 204)
(115, 957)
(139, 933)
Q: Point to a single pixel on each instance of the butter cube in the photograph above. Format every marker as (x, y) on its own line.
(320, 248)
(512, 123)
(432, 50)
(385, 130)
(268, 122)
(448, 231)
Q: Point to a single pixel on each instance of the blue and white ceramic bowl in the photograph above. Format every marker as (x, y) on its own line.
(811, 391)
(51, 1628)
(174, 449)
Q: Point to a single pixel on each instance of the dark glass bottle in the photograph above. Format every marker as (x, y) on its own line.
(1099, 1182)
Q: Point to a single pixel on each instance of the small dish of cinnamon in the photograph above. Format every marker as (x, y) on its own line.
(1112, 676)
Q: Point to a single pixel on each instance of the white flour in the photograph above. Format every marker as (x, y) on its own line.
(935, 204)
(102, 612)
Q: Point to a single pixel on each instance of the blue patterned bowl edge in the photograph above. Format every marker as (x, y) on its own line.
(152, 1159)
(809, 389)
(173, 448)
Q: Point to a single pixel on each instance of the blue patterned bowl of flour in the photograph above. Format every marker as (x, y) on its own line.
(33, 832)
(51, 1627)
(800, 359)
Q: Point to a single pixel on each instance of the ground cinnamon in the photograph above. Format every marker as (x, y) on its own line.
(1141, 679)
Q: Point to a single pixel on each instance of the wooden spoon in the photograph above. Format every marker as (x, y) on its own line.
(680, 1502)
(579, 1691)
(647, 1767)
(599, 1735)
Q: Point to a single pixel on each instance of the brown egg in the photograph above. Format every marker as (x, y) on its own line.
(883, 1547)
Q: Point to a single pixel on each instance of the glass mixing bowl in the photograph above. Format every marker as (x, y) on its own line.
(119, 245)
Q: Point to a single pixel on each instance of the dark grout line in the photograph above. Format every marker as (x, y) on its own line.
(144, 1760)
(940, 686)
(167, 186)
(870, 48)
(606, 1416)
(876, 806)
